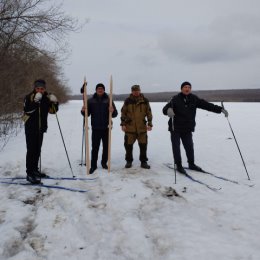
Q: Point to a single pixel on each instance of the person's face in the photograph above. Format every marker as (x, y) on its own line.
(136, 93)
(100, 91)
(186, 90)
(39, 90)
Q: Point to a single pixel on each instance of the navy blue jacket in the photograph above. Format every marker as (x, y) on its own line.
(98, 109)
(184, 108)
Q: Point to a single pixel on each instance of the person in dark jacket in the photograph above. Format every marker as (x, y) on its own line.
(98, 108)
(182, 112)
(37, 105)
(136, 120)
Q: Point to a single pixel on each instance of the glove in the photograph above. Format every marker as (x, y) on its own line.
(37, 97)
(225, 112)
(170, 112)
(53, 98)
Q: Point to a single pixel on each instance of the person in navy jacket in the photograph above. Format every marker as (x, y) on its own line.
(98, 109)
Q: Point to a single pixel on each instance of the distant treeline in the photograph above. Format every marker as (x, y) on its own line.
(229, 95)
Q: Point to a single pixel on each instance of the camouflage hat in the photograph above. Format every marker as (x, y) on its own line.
(135, 88)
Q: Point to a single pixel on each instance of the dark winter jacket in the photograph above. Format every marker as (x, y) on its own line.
(184, 108)
(36, 114)
(98, 108)
(136, 114)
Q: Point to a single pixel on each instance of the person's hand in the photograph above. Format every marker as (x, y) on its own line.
(111, 109)
(37, 97)
(53, 98)
(123, 127)
(170, 112)
(149, 128)
(225, 112)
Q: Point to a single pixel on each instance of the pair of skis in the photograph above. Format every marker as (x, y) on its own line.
(17, 181)
(169, 165)
(85, 100)
(44, 186)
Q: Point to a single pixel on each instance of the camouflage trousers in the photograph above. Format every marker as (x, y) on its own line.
(130, 139)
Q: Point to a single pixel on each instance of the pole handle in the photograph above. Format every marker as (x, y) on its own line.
(222, 104)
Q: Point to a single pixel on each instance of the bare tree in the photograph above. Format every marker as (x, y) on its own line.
(27, 21)
(26, 29)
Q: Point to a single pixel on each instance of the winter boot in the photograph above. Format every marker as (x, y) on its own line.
(40, 174)
(128, 164)
(104, 165)
(145, 165)
(92, 169)
(33, 179)
(180, 169)
(194, 167)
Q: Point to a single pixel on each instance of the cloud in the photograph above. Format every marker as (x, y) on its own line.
(214, 44)
(227, 39)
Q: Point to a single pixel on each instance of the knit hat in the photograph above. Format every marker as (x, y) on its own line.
(185, 83)
(39, 83)
(135, 88)
(100, 85)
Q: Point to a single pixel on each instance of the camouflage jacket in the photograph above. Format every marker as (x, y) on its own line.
(136, 114)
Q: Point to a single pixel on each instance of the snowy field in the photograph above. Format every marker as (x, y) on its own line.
(131, 213)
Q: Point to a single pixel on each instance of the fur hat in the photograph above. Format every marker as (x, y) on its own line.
(185, 83)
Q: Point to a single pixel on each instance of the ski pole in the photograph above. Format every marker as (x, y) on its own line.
(82, 146)
(63, 140)
(175, 173)
(39, 140)
(236, 142)
(175, 166)
(110, 123)
(85, 98)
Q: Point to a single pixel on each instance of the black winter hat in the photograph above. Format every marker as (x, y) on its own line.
(100, 85)
(39, 83)
(185, 83)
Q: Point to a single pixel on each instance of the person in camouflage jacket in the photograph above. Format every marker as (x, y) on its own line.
(136, 120)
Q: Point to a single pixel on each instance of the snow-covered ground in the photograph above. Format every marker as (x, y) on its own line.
(128, 214)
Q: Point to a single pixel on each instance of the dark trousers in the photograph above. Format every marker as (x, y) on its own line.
(187, 142)
(129, 143)
(33, 143)
(97, 136)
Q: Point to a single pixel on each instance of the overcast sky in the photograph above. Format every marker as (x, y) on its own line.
(158, 44)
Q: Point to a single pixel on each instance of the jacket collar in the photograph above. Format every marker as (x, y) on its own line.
(102, 97)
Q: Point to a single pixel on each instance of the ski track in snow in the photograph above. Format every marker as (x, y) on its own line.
(129, 213)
